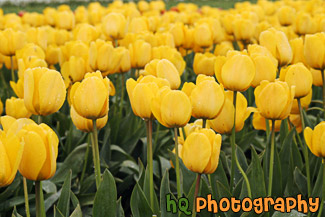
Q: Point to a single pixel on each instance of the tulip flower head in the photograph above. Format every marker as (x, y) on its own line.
(314, 139)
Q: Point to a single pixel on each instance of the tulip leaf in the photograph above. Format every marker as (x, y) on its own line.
(11, 189)
(15, 213)
(218, 175)
(50, 200)
(57, 212)
(77, 212)
(293, 213)
(119, 208)
(146, 189)
(139, 203)
(284, 130)
(164, 192)
(64, 201)
(317, 190)
(48, 186)
(190, 196)
(243, 163)
(205, 190)
(105, 199)
(300, 181)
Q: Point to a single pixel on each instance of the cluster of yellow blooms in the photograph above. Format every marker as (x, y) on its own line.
(283, 39)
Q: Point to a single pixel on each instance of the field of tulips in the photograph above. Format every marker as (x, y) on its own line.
(148, 109)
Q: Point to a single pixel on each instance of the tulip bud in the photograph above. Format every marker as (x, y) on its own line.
(44, 91)
(172, 108)
(85, 32)
(138, 25)
(222, 48)
(140, 52)
(49, 14)
(188, 38)
(16, 108)
(203, 35)
(73, 70)
(304, 24)
(52, 54)
(207, 97)
(11, 41)
(244, 29)
(314, 50)
(81, 14)
(204, 64)
(143, 6)
(125, 63)
(114, 25)
(64, 20)
(177, 31)
(200, 152)
(84, 124)
(224, 122)
(90, 96)
(297, 46)
(314, 139)
(286, 15)
(279, 94)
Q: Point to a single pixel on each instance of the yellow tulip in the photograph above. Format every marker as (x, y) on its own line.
(314, 50)
(11, 41)
(8, 64)
(279, 94)
(49, 14)
(52, 54)
(64, 20)
(204, 63)
(103, 57)
(163, 69)
(165, 38)
(305, 101)
(200, 152)
(259, 123)
(38, 36)
(44, 91)
(296, 121)
(222, 48)
(81, 14)
(188, 38)
(138, 25)
(114, 25)
(62, 36)
(90, 96)
(140, 52)
(85, 32)
(224, 122)
(141, 93)
(40, 152)
(125, 63)
(11, 151)
(203, 35)
(1, 107)
(30, 50)
(73, 70)
(226, 21)
(74, 48)
(172, 108)
(18, 87)
(317, 77)
(30, 62)
(286, 15)
(314, 139)
(207, 97)
(143, 6)
(84, 124)
(298, 75)
(297, 46)
(16, 108)
(171, 54)
(177, 30)
(244, 29)
(237, 72)
(304, 24)
(158, 5)
(277, 43)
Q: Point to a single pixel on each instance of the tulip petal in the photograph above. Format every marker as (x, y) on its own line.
(5, 169)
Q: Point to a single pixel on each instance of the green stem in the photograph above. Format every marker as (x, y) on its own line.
(267, 126)
(116, 43)
(233, 149)
(249, 191)
(305, 149)
(150, 160)
(95, 150)
(26, 197)
(323, 78)
(122, 95)
(157, 134)
(323, 196)
(13, 77)
(178, 180)
(40, 208)
(269, 191)
(204, 123)
(39, 119)
(197, 186)
(85, 163)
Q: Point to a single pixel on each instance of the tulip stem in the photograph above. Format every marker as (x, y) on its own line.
(267, 127)
(122, 95)
(13, 77)
(323, 188)
(40, 208)
(305, 149)
(178, 180)
(197, 187)
(269, 191)
(204, 123)
(150, 160)
(323, 78)
(95, 150)
(26, 197)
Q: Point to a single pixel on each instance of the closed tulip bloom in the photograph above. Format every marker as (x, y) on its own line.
(90, 96)
(49, 14)
(52, 54)
(164, 69)
(203, 35)
(81, 14)
(314, 139)
(85, 32)
(84, 124)
(259, 123)
(73, 70)
(265, 69)
(297, 46)
(44, 91)
(18, 87)
(222, 48)
(125, 63)
(11, 151)
(277, 43)
(237, 65)
(177, 31)
(138, 25)
(64, 20)
(140, 52)
(286, 15)
(11, 41)
(143, 6)
(40, 152)
(224, 122)
(274, 99)
(188, 38)
(304, 24)
(38, 36)
(103, 57)
(28, 63)
(204, 63)
(305, 102)
(114, 25)
(172, 108)
(244, 29)
(16, 108)
(141, 93)
(200, 152)
(314, 50)
(317, 77)
(227, 22)
(30, 50)
(298, 75)
(207, 97)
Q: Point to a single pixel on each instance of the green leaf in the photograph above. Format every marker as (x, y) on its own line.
(243, 163)
(301, 181)
(139, 203)
(64, 200)
(77, 212)
(146, 189)
(119, 208)
(218, 175)
(205, 190)
(293, 213)
(57, 212)
(317, 190)
(10, 190)
(164, 191)
(48, 186)
(256, 176)
(105, 199)
(15, 213)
